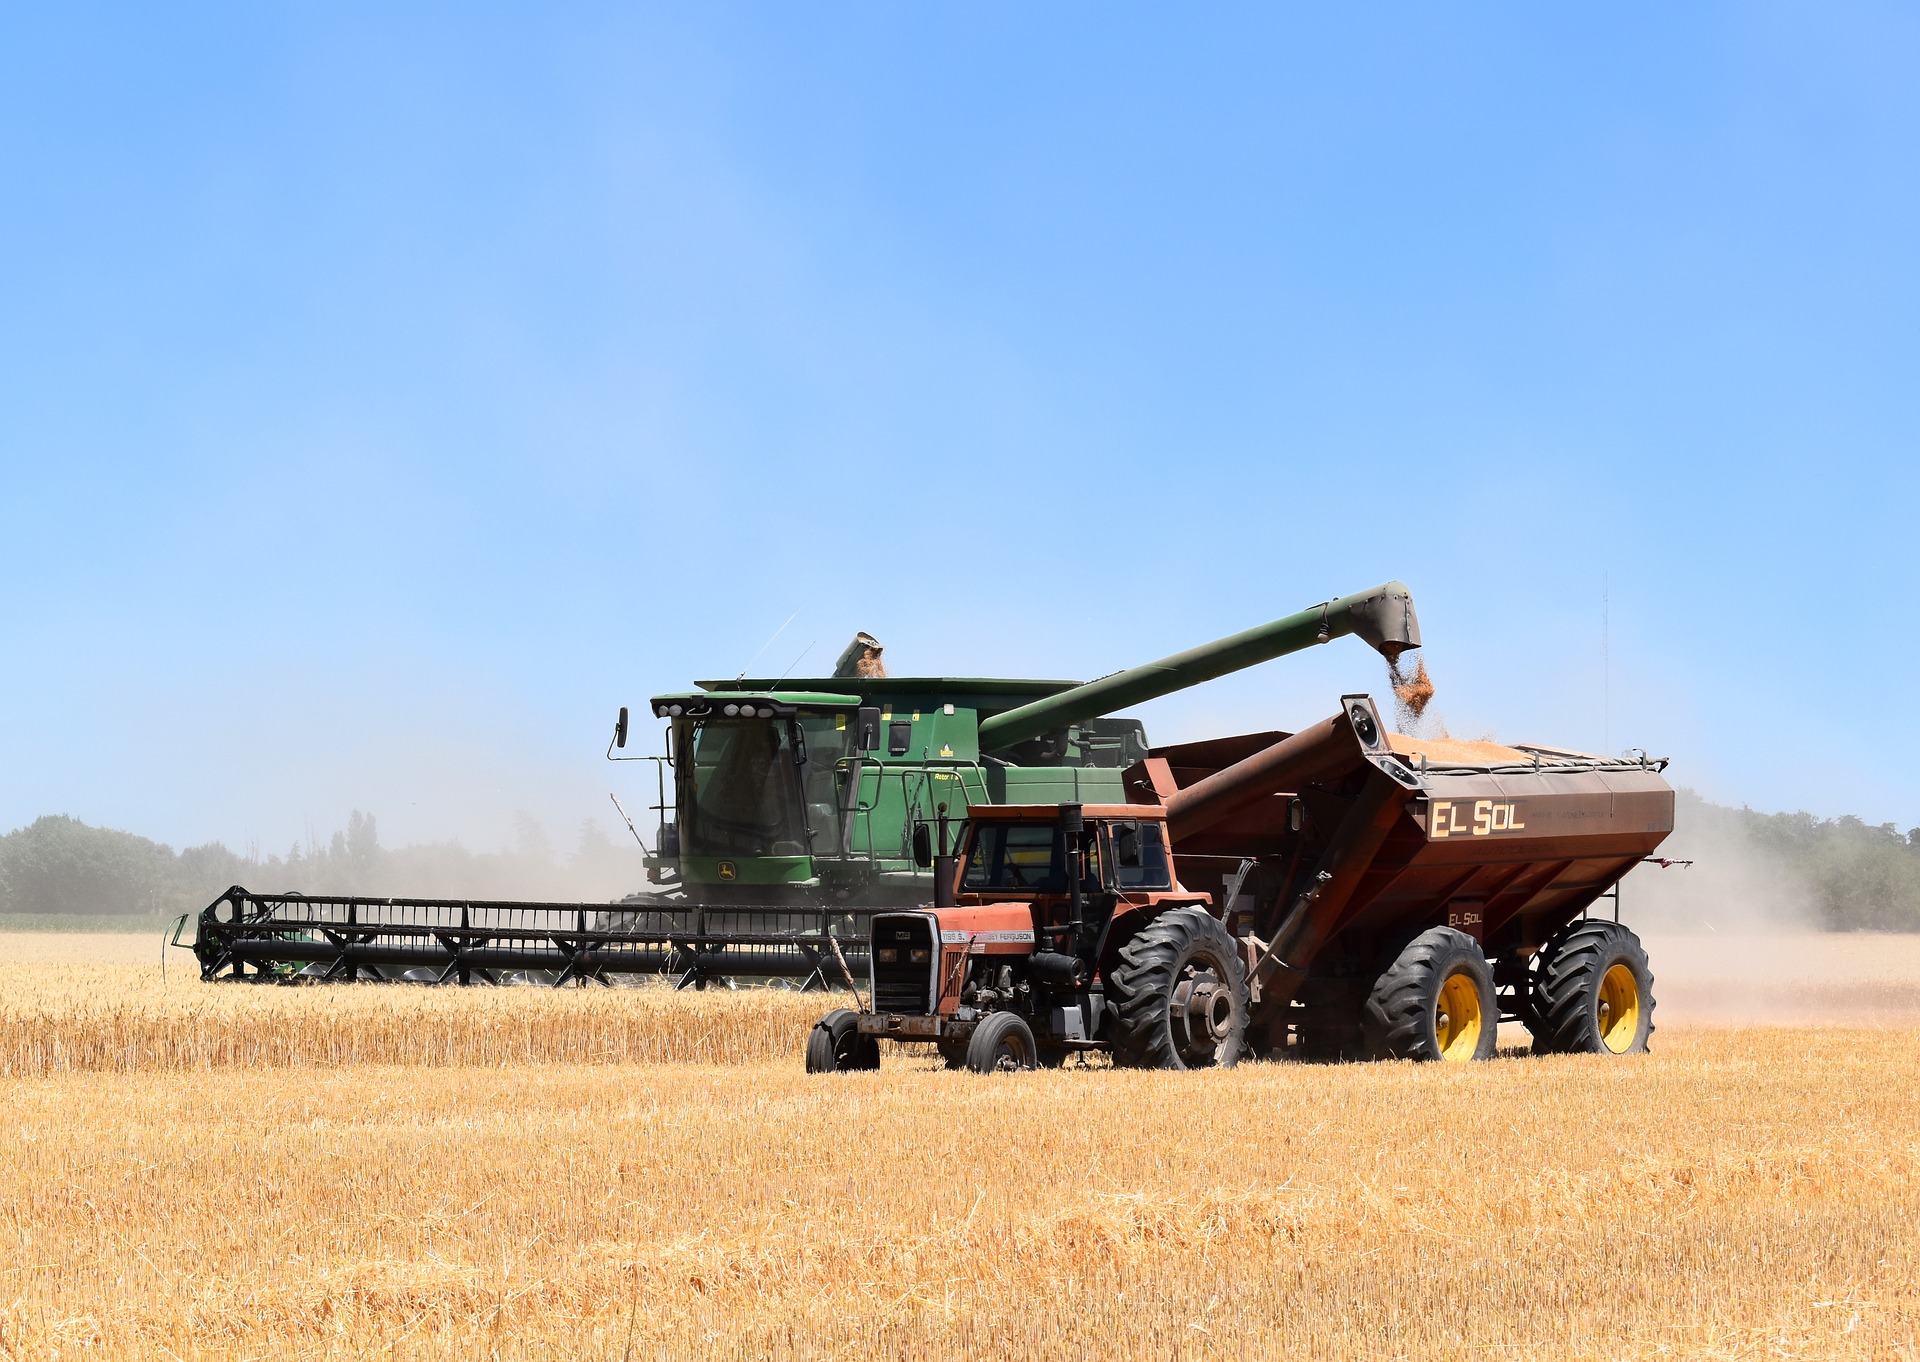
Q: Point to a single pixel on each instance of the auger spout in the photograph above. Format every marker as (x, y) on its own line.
(1383, 617)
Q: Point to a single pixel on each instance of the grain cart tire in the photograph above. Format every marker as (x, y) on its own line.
(1179, 994)
(1593, 992)
(1434, 1002)
(836, 1045)
(1002, 1043)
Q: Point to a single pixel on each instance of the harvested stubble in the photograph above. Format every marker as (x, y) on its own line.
(1738, 1194)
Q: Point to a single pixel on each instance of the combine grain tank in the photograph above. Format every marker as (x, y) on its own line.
(1337, 892)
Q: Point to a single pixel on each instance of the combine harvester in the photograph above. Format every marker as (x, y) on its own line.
(1382, 897)
(793, 807)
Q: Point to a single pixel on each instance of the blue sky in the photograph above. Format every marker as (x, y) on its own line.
(384, 398)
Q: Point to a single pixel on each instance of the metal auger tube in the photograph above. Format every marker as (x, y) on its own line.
(1383, 617)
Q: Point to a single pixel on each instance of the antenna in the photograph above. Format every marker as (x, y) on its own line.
(796, 662)
(1606, 665)
(768, 644)
(629, 822)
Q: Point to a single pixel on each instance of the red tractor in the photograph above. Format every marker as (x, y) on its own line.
(1068, 931)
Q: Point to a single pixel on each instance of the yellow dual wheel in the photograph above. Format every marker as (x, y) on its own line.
(1458, 1018)
(1617, 1014)
(1434, 1002)
(1592, 992)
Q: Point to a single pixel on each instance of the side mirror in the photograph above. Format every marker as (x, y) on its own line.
(620, 728)
(670, 841)
(1126, 847)
(867, 729)
(922, 845)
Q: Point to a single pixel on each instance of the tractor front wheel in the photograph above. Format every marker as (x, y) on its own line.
(1180, 995)
(836, 1045)
(1002, 1043)
(1434, 1002)
(1593, 992)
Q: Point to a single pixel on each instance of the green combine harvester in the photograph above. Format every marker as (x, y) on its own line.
(790, 811)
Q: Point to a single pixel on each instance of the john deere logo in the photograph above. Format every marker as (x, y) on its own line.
(728, 871)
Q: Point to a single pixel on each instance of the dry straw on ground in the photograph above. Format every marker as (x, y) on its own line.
(1741, 1193)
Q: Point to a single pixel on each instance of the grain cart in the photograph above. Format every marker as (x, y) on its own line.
(1380, 896)
(787, 810)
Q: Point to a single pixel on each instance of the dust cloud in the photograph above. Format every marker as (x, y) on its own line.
(1735, 939)
(598, 869)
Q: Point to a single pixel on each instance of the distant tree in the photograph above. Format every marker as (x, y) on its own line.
(530, 841)
(1861, 877)
(60, 865)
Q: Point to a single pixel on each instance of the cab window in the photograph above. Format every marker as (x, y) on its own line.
(1140, 856)
(1016, 856)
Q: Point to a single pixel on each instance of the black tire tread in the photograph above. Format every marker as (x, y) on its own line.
(1396, 1019)
(988, 1035)
(1571, 965)
(834, 1046)
(1141, 984)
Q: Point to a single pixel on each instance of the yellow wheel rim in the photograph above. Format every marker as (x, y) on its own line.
(1457, 1019)
(1619, 1009)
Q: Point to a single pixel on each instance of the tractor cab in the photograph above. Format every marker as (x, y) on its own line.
(1033, 850)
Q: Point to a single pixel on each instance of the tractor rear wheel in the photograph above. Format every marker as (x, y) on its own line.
(836, 1045)
(1002, 1043)
(1593, 992)
(952, 1052)
(1179, 993)
(1434, 1002)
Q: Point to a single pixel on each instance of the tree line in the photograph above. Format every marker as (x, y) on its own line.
(1779, 869)
(1790, 869)
(58, 866)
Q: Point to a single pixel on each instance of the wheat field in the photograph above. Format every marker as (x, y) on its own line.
(222, 1171)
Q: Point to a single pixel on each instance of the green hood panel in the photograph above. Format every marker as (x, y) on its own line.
(746, 869)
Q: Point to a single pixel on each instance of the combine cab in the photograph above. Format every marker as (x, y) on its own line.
(1379, 896)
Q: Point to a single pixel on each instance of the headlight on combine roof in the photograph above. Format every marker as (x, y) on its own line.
(675, 710)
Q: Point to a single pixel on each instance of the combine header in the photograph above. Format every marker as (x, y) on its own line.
(788, 822)
(1379, 896)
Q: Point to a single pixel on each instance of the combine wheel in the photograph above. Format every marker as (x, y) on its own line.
(1593, 993)
(1434, 1002)
(1179, 994)
(837, 1046)
(1002, 1043)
